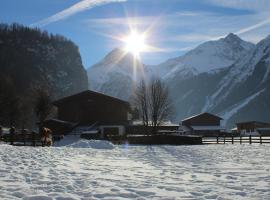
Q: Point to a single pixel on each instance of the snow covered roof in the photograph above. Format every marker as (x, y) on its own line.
(184, 128)
(205, 128)
(263, 129)
(90, 132)
(167, 123)
(60, 121)
(254, 122)
(84, 130)
(201, 114)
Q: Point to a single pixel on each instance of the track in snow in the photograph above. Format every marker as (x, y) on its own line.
(136, 172)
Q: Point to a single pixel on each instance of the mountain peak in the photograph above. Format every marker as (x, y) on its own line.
(118, 54)
(232, 37)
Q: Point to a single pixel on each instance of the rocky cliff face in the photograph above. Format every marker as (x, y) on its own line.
(31, 57)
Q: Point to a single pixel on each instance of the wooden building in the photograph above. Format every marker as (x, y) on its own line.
(204, 124)
(93, 109)
(90, 107)
(255, 128)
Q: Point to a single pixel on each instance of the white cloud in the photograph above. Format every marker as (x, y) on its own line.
(167, 20)
(243, 4)
(72, 10)
(254, 26)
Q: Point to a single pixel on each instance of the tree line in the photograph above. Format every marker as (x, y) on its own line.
(17, 110)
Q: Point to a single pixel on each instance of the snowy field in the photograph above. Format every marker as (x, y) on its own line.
(104, 171)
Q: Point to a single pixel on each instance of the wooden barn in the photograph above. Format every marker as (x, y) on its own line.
(255, 128)
(204, 124)
(93, 109)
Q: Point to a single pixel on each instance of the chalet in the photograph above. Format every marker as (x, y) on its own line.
(255, 128)
(204, 124)
(94, 110)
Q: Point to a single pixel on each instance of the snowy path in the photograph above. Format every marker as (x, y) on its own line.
(136, 172)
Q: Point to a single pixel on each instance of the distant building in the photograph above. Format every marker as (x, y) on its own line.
(253, 128)
(204, 124)
(94, 110)
(137, 128)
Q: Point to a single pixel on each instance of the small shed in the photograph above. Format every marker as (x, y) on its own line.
(205, 124)
(253, 128)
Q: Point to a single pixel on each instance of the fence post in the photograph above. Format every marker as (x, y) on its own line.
(217, 140)
(34, 139)
(260, 139)
(250, 141)
(240, 139)
(232, 139)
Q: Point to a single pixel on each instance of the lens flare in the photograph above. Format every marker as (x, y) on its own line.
(135, 43)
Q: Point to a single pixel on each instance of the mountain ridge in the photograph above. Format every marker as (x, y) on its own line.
(238, 76)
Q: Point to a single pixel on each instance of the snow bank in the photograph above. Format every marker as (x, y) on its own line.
(75, 141)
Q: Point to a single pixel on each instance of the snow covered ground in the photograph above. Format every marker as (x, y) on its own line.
(104, 171)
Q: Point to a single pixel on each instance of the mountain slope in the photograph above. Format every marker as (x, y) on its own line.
(239, 92)
(32, 58)
(228, 77)
(116, 74)
(207, 56)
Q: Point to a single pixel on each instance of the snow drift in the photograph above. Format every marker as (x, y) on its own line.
(75, 141)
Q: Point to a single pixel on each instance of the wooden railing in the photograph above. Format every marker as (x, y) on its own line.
(237, 140)
(29, 139)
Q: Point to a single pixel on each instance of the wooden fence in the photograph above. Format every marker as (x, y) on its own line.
(237, 140)
(29, 139)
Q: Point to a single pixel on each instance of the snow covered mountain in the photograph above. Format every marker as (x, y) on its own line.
(238, 92)
(228, 77)
(245, 89)
(116, 74)
(206, 57)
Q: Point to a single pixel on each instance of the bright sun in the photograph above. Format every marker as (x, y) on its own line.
(135, 43)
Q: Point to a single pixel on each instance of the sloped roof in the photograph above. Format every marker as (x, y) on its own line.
(205, 128)
(254, 122)
(88, 93)
(202, 114)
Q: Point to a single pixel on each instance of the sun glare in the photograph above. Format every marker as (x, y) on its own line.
(135, 43)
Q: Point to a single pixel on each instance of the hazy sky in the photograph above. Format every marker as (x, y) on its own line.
(173, 26)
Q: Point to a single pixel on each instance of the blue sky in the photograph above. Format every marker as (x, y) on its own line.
(173, 26)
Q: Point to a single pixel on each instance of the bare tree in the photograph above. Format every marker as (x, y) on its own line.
(160, 106)
(153, 103)
(141, 102)
(42, 105)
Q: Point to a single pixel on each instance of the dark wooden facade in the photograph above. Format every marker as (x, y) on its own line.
(204, 124)
(251, 126)
(203, 119)
(89, 107)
